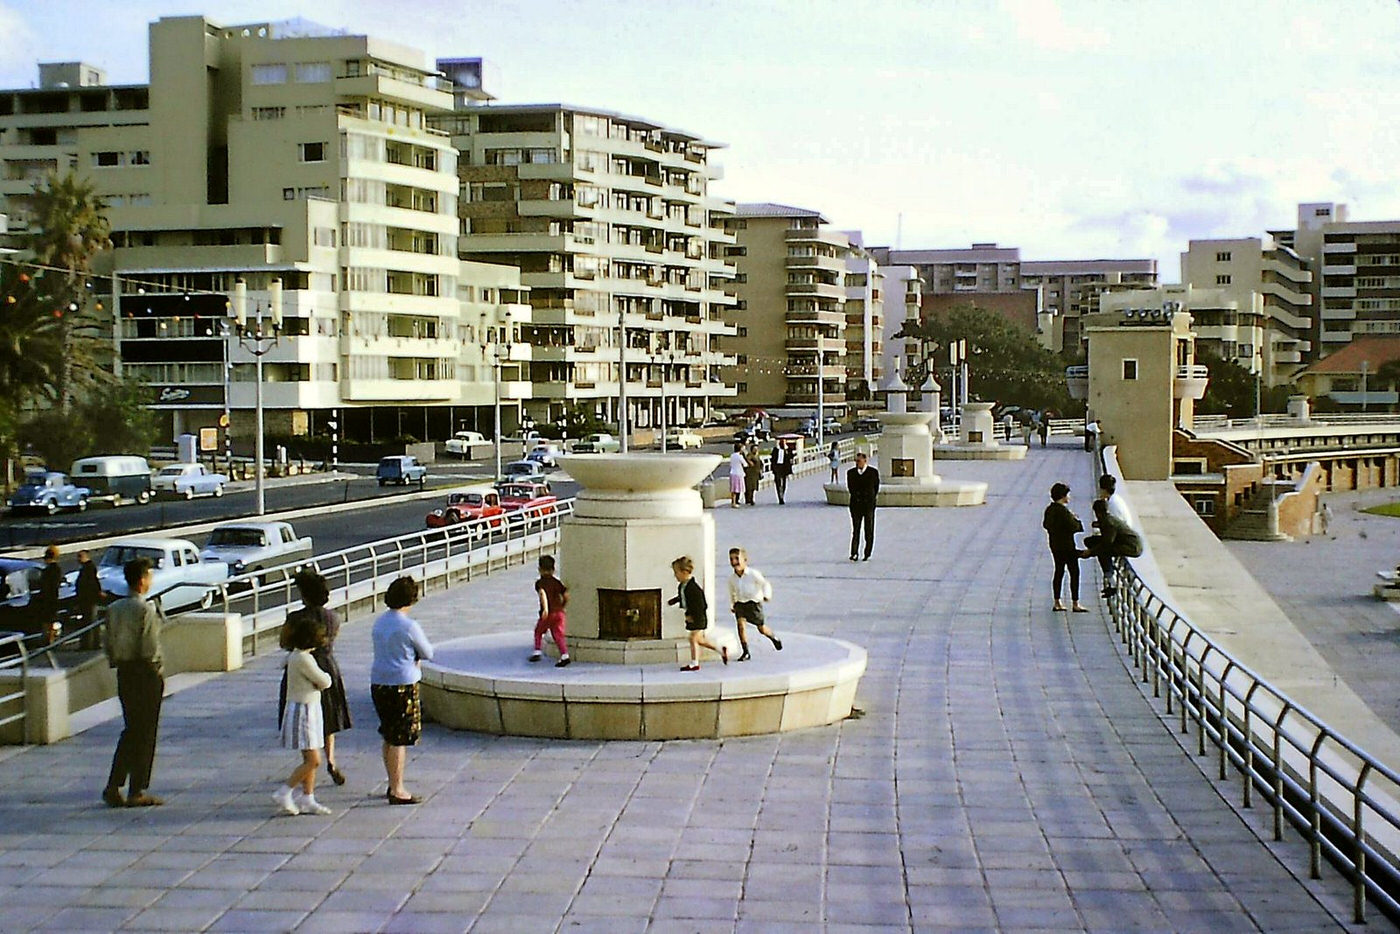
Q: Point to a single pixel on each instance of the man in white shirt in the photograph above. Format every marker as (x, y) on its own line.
(748, 591)
(1118, 508)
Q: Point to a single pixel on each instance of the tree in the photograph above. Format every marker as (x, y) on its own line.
(1231, 390)
(72, 229)
(30, 340)
(1005, 364)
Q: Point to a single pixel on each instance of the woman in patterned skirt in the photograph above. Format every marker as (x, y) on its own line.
(399, 645)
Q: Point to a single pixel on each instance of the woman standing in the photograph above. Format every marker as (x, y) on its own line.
(399, 645)
(335, 707)
(737, 463)
(833, 458)
(1061, 525)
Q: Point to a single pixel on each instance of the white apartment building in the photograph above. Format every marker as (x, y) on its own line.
(288, 152)
(1226, 325)
(610, 220)
(903, 291)
(1250, 269)
(866, 282)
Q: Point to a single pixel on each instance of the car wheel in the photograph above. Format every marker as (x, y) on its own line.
(189, 492)
(143, 497)
(82, 504)
(381, 482)
(51, 506)
(218, 491)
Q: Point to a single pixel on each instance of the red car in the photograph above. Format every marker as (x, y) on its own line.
(467, 505)
(526, 500)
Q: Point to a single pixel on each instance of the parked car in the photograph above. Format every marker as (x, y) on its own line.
(48, 491)
(867, 423)
(745, 435)
(524, 500)
(189, 481)
(181, 578)
(402, 469)
(115, 478)
(463, 443)
(465, 505)
(597, 443)
(831, 426)
(683, 438)
(545, 454)
(526, 471)
(256, 546)
(20, 578)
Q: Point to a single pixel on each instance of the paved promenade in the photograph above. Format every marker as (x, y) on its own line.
(1007, 775)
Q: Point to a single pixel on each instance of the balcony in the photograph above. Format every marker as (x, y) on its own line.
(836, 318)
(1190, 381)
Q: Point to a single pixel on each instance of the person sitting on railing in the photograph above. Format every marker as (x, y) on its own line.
(1115, 539)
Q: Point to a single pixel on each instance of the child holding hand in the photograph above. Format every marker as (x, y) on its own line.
(302, 725)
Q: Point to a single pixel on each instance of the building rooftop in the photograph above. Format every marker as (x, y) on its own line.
(1372, 351)
(771, 209)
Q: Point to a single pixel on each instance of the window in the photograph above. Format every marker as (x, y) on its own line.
(313, 72)
(1205, 505)
(269, 113)
(106, 159)
(741, 387)
(743, 332)
(1130, 369)
(269, 74)
(312, 152)
(1222, 279)
(141, 157)
(1223, 256)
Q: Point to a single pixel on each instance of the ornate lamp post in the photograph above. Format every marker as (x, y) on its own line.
(258, 342)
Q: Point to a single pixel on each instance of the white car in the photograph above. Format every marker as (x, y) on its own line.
(181, 579)
(597, 443)
(683, 438)
(189, 481)
(462, 443)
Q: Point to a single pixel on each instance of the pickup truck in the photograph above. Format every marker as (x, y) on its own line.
(181, 579)
(188, 480)
(255, 546)
(597, 443)
(463, 442)
(47, 491)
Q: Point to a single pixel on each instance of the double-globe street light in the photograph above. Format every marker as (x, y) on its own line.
(258, 342)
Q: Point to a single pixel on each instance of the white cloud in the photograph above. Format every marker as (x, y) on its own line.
(18, 49)
(1042, 24)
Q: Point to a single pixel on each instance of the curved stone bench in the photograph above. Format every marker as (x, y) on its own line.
(485, 683)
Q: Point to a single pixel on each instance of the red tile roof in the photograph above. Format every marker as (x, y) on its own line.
(1375, 351)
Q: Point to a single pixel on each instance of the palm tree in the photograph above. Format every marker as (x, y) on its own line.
(30, 338)
(72, 230)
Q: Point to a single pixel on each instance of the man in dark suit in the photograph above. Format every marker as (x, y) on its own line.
(863, 483)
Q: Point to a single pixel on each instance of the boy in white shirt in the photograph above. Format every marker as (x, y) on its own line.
(748, 591)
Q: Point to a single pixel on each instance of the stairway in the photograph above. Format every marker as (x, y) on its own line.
(1258, 521)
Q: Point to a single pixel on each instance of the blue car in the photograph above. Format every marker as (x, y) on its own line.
(48, 491)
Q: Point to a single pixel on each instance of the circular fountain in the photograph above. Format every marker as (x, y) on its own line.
(635, 513)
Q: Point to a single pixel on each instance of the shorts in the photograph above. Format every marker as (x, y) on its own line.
(696, 625)
(400, 716)
(749, 610)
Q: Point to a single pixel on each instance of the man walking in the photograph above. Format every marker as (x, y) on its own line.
(133, 648)
(782, 469)
(862, 483)
(88, 591)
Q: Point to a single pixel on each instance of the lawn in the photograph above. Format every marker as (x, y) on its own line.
(1385, 509)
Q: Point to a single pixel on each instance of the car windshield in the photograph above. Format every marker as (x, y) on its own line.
(245, 538)
(468, 499)
(171, 472)
(118, 555)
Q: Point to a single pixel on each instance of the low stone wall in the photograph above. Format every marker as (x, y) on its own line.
(1298, 508)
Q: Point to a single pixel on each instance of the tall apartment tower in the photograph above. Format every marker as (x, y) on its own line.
(903, 294)
(1069, 289)
(1244, 267)
(611, 222)
(291, 152)
(809, 317)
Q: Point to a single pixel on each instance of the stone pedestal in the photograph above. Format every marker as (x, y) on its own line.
(906, 467)
(635, 514)
(977, 440)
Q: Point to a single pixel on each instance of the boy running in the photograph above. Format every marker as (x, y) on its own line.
(748, 590)
(554, 596)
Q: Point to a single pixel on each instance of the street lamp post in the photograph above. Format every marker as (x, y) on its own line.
(502, 341)
(821, 399)
(622, 376)
(255, 342)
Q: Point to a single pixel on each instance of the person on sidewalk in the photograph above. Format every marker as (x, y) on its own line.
(399, 647)
(301, 715)
(748, 591)
(753, 472)
(87, 593)
(1061, 526)
(833, 459)
(553, 597)
(1043, 426)
(45, 598)
(863, 485)
(736, 474)
(335, 705)
(782, 469)
(691, 598)
(133, 649)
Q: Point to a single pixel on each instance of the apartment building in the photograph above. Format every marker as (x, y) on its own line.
(610, 219)
(903, 293)
(281, 153)
(1250, 270)
(1068, 289)
(809, 320)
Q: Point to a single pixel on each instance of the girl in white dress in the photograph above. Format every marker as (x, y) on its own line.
(302, 727)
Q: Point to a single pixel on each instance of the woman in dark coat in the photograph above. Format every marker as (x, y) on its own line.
(335, 709)
(1061, 525)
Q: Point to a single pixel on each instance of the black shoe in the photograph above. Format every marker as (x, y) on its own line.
(112, 797)
(411, 799)
(143, 800)
(777, 643)
(563, 662)
(745, 657)
(336, 774)
(854, 558)
(866, 558)
(724, 654)
(1107, 592)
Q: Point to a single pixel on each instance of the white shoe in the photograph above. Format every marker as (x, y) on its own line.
(307, 804)
(282, 797)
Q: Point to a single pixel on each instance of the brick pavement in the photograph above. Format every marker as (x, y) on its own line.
(1008, 775)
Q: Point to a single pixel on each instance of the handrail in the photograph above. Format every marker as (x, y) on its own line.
(1344, 801)
(22, 693)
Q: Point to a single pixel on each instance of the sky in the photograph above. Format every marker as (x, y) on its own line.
(1073, 129)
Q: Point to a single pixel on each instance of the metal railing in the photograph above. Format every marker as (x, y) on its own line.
(1341, 799)
(21, 694)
